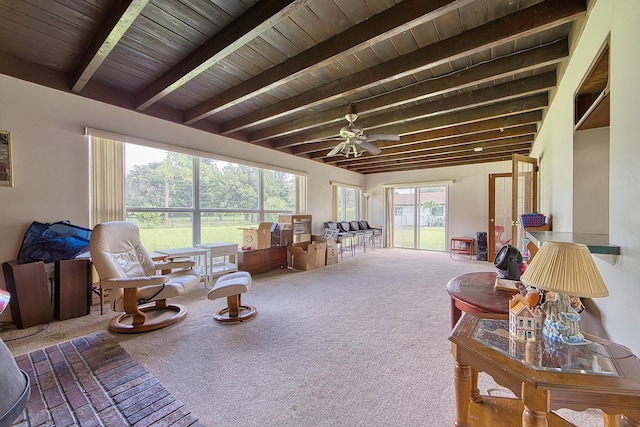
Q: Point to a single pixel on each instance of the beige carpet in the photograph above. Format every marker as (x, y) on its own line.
(359, 343)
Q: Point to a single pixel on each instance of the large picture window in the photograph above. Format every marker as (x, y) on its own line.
(179, 200)
(346, 203)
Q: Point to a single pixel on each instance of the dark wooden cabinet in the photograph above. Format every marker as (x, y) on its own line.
(27, 284)
(72, 296)
(263, 260)
(30, 296)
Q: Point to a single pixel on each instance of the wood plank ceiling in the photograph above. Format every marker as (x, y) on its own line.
(447, 76)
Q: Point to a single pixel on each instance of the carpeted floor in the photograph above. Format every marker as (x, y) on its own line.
(92, 381)
(358, 343)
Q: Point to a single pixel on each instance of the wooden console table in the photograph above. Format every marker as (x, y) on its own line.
(263, 260)
(544, 377)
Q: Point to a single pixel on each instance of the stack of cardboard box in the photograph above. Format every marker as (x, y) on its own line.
(307, 255)
(331, 256)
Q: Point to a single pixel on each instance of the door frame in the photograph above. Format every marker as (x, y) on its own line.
(516, 229)
(491, 234)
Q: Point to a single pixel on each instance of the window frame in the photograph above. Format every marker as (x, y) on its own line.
(197, 211)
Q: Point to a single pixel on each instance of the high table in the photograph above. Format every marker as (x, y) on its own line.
(544, 376)
(224, 258)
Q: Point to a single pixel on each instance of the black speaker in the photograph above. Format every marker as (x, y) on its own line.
(481, 240)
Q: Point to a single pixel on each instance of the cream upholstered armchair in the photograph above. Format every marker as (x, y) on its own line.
(131, 276)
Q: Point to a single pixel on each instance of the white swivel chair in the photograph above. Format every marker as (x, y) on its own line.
(131, 276)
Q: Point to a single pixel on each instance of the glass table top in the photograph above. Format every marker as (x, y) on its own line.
(589, 357)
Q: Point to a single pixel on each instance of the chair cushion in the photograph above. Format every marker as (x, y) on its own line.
(230, 284)
(188, 279)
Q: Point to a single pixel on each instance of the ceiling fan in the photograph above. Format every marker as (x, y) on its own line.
(356, 141)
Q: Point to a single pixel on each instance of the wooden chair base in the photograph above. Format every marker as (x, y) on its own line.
(138, 322)
(245, 312)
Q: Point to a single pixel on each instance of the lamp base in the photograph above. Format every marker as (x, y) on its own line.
(561, 323)
(559, 332)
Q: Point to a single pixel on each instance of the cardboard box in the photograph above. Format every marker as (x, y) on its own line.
(331, 256)
(257, 238)
(307, 255)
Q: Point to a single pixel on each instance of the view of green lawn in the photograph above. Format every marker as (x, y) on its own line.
(431, 238)
(181, 237)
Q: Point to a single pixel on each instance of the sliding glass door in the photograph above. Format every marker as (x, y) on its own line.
(420, 217)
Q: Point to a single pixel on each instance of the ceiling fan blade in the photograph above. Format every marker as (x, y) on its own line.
(369, 147)
(382, 137)
(328, 139)
(336, 149)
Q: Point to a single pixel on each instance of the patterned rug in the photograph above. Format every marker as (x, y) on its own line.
(92, 381)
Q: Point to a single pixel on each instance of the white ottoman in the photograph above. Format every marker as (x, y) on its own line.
(232, 286)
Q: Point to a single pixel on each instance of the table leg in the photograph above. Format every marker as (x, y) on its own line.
(475, 395)
(456, 313)
(462, 380)
(610, 420)
(536, 405)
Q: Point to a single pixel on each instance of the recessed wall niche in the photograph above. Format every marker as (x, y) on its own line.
(591, 149)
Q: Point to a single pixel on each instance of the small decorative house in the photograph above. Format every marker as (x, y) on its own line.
(525, 322)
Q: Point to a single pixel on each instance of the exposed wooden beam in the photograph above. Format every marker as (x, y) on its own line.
(476, 98)
(525, 22)
(455, 131)
(391, 22)
(120, 18)
(515, 142)
(454, 159)
(442, 163)
(478, 74)
(257, 19)
(505, 108)
(498, 109)
(474, 138)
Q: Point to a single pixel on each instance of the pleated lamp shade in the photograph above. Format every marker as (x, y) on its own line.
(566, 268)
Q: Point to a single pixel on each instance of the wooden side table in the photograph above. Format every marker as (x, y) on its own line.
(545, 376)
(475, 293)
(462, 245)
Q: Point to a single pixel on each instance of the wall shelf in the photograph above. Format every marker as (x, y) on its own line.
(598, 244)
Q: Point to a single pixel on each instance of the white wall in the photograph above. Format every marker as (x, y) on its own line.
(620, 19)
(591, 181)
(468, 203)
(51, 157)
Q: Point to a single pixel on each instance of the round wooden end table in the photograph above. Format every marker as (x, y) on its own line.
(475, 293)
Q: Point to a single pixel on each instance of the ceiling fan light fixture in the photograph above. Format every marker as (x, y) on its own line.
(356, 141)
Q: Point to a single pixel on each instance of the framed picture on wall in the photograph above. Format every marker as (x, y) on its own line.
(6, 165)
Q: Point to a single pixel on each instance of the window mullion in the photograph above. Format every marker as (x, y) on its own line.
(197, 223)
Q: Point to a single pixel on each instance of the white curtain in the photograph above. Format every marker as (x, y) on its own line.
(334, 203)
(389, 214)
(107, 180)
(301, 194)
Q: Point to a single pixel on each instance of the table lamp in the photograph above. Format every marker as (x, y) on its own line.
(568, 269)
